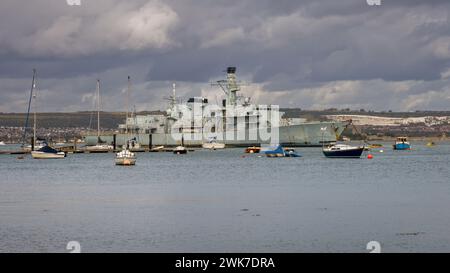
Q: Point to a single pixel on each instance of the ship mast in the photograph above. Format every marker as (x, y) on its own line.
(230, 86)
(174, 95)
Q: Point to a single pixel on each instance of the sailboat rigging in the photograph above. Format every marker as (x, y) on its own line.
(101, 146)
(126, 157)
(42, 151)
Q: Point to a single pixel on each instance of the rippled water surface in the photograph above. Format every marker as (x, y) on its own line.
(220, 201)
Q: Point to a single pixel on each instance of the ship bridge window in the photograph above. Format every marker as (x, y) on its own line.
(198, 99)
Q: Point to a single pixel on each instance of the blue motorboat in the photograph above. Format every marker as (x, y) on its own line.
(402, 144)
(279, 151)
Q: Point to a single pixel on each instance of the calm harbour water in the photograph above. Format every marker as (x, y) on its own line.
(218, 201)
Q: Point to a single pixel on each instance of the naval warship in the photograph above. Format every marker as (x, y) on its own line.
(236, 123)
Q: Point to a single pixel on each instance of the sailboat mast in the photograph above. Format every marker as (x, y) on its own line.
(24, 139)
(128, 102)
(34, 108)
(98, 109)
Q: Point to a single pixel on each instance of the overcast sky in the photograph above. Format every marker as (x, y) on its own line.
(312, 54)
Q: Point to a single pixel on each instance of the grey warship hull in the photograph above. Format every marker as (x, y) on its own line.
(311, 134)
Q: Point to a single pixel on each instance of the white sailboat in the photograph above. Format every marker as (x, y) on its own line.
(43, 151)
(100, 146)
(126, 157)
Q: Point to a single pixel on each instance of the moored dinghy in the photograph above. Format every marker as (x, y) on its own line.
(431, 144)
(180, 150)
(402, 144)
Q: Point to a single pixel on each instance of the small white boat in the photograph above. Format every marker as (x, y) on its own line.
(125, 158)
(134, 145)
(47, 153)
(213, 145)
(2, 143)
(180, 150)
(157, 148)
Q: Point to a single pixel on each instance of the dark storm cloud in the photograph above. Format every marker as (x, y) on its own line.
(289, 49)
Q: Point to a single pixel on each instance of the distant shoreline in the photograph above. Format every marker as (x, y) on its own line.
(74, 124)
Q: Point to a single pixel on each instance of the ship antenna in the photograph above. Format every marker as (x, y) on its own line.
(174, 94)
(173, 98)
(174, 90)
(230, 86)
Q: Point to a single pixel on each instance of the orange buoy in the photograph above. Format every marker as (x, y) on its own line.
(370, 156)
